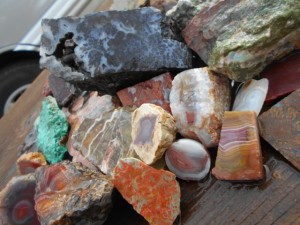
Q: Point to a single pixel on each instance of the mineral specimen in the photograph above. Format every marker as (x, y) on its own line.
(198, 100)
(155, 90)
(52, 131)
(68, 193)
(251, 96)
(104, 140)
(163, 5)
(155, 194)
(283, 77)
(239, 155)
(27, 163)
(280, 126)
(188, 159)
(240, 38)
(111, 50)
(153, 131)
(17, 201)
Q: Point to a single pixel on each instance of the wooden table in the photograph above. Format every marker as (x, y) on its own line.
(276, 200)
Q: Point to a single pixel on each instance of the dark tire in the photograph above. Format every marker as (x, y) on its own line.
(13, 81)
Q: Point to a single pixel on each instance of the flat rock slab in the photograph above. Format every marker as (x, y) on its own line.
(111, 50)
(280, 126)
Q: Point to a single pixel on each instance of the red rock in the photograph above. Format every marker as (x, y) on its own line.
(280, 126)
(155, 91)
(46, 89)
(283, 77)
(155, 194)
(27, 163)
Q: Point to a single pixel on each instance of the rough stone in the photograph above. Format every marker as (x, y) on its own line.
(52, 131)
(155, 194)
(280, 126)
(30, 142)
(17, 201)
(153, 131)
(239, 155)
(68, 193)
(28, 162)
(239, 38)
(102, 52)
(163, 5)
(198, 100)
(155, 91)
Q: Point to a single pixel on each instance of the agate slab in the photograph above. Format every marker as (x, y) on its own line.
(28, 162)
(280, 126)
(239, 155)
(188, 159)
(198, 100)
(155, 194)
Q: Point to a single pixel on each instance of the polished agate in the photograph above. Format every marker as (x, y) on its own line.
(251, 96)
(198, 100)
(28, 162)
(239, 155)
(188, 159)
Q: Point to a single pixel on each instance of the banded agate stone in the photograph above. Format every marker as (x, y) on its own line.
(188, 159)
(28, 162)
(155, 194)
(239, 155)
(17, 201)
(153, 131)
(198, 100)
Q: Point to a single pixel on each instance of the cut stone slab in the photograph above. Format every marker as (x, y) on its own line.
(198, 100)
(155, 194)
(240, 38)
(280, 126)
(52, 131)
(155, 91)
(108, 51)
(153, 131)
(28, 162)
(239, 155)
(17, 201)
(68, 193)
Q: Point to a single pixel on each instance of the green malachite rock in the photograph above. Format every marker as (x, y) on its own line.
(52, 131)
(240, 38)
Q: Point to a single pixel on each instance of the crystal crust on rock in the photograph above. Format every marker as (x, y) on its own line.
(153, 131)
(68, 193)
(155, 194)
(239, 38)
(239, 155)
(111, 50)
(28, 162)
(280, 126)
(198, 100)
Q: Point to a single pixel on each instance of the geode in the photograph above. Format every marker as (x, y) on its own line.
(111, 50)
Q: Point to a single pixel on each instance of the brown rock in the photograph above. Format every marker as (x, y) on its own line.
(28, 162)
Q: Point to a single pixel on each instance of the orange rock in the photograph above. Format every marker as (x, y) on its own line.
(28, 162)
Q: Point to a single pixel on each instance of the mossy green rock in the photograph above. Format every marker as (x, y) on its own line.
(240, 38)
(52, 130)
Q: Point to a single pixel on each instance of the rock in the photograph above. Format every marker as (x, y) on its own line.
(198, 100)
(280, 126)
(240, 38)
(52, 131)
(163, 5)
(251, 96)
(239, 155)
(153, 131)
(46, 91)
(28, 162)
(30, 142)
(126, 4)
(17, 201)
(283, 77)
(62, 91)
(68, 193)
(155, 194)
(155, 91)
(188, 159)
(102, 52)
(104, 140)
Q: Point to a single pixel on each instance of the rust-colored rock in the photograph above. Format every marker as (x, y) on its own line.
(28, 162)
(280, 126)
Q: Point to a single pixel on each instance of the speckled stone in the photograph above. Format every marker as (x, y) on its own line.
(239, 38)
(28, 162)
(280, 126)
(110, 50)
(155, 194)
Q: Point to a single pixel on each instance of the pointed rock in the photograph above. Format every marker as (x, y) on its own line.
(28, 162)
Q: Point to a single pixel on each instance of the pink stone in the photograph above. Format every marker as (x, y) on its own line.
(28, 162)
(188, 159)
(155, 91)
